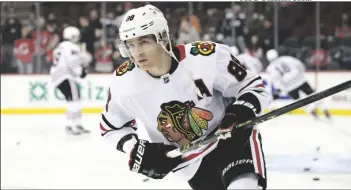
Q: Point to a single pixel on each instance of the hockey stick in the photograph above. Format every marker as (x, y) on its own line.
(273, 114)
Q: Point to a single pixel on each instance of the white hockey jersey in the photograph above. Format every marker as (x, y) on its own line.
(252, 63)
(68, 63)
(183, 105)
(286, 73)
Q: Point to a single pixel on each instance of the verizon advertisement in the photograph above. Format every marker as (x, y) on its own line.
(30, 93)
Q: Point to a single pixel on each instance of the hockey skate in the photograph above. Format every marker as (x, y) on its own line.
(314, 113)
(71, 131)
(81, 129)
(327, 114)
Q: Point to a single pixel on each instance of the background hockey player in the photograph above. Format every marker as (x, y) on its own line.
(287, 74)
(70, 63)
(181, 93)
(252, 63)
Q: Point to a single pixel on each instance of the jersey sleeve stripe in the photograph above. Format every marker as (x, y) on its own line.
(258, 91)
(102, 128)
(260, 86)
(192, 156)
(255, 79)
(108, 123)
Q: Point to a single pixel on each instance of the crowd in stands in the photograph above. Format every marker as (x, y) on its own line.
(252, 24)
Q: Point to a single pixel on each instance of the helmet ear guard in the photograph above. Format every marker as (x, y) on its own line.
(123, 50)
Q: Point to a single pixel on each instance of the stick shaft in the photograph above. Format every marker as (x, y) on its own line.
(264, 118)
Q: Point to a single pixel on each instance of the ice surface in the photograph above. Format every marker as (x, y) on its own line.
(36, 153)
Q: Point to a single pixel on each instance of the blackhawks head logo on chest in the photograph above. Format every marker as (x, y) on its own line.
(182, 122)
(202, 48)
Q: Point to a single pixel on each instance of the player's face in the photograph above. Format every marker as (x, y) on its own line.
(145, 51)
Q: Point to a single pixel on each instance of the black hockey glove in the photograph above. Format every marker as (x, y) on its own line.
(84, 72)
(150, 159)
(239, 112)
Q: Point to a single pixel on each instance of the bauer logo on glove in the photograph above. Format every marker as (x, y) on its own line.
(150, 159)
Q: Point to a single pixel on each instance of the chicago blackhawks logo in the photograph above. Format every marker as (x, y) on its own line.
(182, 122)
(203, 48)
(124, 67)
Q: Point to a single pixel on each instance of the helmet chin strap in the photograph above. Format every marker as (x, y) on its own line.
(189, 74)
(170, 52)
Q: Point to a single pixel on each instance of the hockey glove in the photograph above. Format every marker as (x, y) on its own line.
(236, 113)
(150, 159)
(84, 72)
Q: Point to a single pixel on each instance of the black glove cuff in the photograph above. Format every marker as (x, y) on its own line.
(125, 139)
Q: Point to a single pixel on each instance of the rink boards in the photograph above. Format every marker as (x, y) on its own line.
(34, 94)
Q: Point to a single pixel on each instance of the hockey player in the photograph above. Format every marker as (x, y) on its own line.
(252, 63)
(70, 63)
(181, 93)
(288, 74)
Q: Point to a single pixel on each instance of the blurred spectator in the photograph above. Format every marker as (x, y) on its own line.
(95, 23)
(51, 19)
(24, 51)
(42, 38)
(256, 23)
(187, 33)
(54, 40)
(219, 38)
(344, 29)
(250, 28)
(266, 36)
(233, 27)
(12, 30)
(240, 21)
(103, 57)
(209, 34)
(125, 7)
(343, 57)
(194, 21)
(254, 48)
(320, 57)
(31, 22)
(119, 10)
(111, 28)
(1, 50)
(87, 35)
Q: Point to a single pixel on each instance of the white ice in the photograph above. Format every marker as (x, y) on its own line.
(36, 153)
